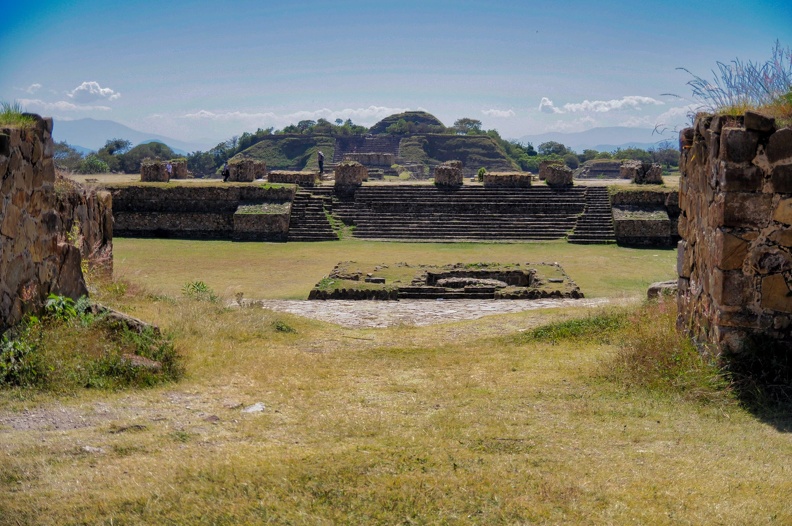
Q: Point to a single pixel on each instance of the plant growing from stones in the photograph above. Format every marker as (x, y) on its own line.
(11, 113)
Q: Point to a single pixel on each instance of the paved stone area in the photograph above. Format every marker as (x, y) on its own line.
(381, 314)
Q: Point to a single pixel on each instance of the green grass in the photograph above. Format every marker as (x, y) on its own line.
(267, 270)
(11, 114)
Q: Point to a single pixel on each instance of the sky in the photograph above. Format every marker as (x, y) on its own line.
(204, 71)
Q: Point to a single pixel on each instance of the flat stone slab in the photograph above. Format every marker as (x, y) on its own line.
(357, 314)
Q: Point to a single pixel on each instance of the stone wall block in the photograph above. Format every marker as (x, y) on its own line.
(758, 122)
(783, 211)
(730, 251)
(686, 138)
(742, 177)
(731, 288)
(781, 178)
(713, 144)
(738, 145)
(776, 293)
(684, 260)
(779, 147)
(740, 318)
(10, 222)
(767, 259)
(5, 145)
(749, 210)
(782, 237)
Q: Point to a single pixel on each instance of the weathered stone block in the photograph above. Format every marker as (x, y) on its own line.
(684, 260)
(733, 177)
(781, 177)
(779, 147)
(507, 179)
(731, 287)
(758, 122)
(783, 212)
(5, 145)
(738, 145)
(686, 138)
(304, 179)
(350, 173)
(742, 209)
(153, 172)
(782, 237)
(776, 293)
(558, 176)
(730, 251)
(449, 174)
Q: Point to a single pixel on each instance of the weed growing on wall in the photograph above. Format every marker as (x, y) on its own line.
(11, 114)
(739, 86)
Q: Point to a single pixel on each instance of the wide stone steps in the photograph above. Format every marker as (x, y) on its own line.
(308, 220)
(595, 226)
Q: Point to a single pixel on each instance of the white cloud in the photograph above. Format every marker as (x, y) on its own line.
(33, 88)
(547, 106)
(367, 115)
(504, 114)
(91, 91)
(62, 105)
(635, 102)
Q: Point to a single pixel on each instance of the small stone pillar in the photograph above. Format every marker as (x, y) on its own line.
(153, 172)
(449, 174)
(556, 175)
(349, 176)
(642, 172)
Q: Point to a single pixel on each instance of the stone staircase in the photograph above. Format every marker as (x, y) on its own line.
(308, 221)
(423, 213)
(596, 224)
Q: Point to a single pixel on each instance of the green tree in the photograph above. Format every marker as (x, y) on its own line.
(130, 161)
(553, 147)
(66, 157)
(93, 165)
(571, 160)
(467, 126)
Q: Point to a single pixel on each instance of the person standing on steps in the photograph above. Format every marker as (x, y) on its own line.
(320, 156)
(169, 169)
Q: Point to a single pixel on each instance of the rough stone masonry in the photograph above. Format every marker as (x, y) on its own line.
(735, 257)
(42, 234)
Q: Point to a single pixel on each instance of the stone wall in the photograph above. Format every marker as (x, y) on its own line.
(36, 255)
(201, 212)
(735, 259)
(246, 170)
(556, 175)
(371, 158)
(645, 218)
(595, 169)
(642, 172)
(507, 179)
(304, 179)
(153, 172)
(448, 174)
(349, 175)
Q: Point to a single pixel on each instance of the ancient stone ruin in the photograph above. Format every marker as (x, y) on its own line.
(555, 175)
(600, 169)
(44, 228)
(507, 179)
(641, 172)
(449, 174)
(304, 179)
(735, 259)
(371, 158)
(457, 281)
(152, 171)
(349, 175)
(246, 170)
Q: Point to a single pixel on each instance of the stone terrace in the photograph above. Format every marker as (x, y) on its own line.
(421, 212)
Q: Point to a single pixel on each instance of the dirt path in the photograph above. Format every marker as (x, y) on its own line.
(381, 314)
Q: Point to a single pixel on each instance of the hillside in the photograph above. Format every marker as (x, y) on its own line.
(419, 121)
(290, 152)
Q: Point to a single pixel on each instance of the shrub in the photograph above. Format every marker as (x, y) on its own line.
(11, 114)
(92, 165)
(200, 291)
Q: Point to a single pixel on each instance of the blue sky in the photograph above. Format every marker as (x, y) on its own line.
(203, 71)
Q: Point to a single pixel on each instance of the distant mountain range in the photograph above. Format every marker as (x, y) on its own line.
(92, 134)
(604, 139)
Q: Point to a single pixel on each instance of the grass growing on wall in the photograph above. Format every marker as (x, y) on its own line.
(12, 114)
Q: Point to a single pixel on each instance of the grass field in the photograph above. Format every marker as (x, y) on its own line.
(290, 270)
(477, 422)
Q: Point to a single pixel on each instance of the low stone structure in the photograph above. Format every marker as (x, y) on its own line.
(153, 172)
(645, 218)
(371, 158)
(203, 212)
(349, 175)
(555, 175)
(449, 174)
(304, 179)
(642, 172)
(735, 259)
(246, 170)
(600, 169)
(507, 179)
(40, 249)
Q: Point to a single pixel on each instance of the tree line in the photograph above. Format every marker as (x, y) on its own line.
(117, 155)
